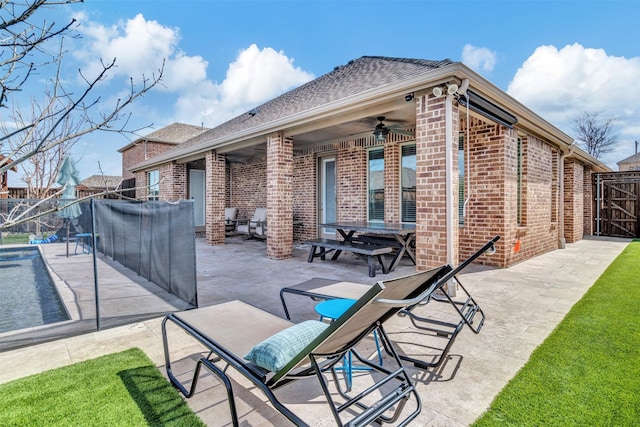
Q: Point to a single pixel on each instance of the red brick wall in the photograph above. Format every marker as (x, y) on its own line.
(248, 187)
(351, 175)
(305, 197)
(136, 154)
(539, 233)
(491, 152)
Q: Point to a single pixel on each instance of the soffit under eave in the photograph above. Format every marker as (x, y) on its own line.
(353, 105)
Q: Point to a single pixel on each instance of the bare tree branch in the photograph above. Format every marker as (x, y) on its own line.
(594, 134)
(37, 140)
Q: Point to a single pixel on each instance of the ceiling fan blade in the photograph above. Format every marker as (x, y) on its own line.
(402, 132)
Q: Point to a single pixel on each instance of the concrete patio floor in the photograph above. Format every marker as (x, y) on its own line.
(523, 304)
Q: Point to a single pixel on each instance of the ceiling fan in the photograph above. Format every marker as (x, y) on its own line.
(381, 131)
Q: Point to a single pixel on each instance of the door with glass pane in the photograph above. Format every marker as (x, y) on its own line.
(196, 193)
(327, 211)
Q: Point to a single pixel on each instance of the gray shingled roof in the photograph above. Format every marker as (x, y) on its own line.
(355, 77)
(98, 181)
(631, 159)
(175, 133)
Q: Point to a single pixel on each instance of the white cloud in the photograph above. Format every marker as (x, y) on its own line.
(479, 58)
(139, 47)
(560, 85)
(186, 94)
(256, 76)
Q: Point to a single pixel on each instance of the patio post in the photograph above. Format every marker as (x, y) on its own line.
(279, 197)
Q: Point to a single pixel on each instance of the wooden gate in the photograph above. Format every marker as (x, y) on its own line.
(617, 204)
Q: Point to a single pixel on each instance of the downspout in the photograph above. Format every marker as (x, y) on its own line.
(449, 200)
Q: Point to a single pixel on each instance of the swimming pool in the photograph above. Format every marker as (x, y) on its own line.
(28, 296)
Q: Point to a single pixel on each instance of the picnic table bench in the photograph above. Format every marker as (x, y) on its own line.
(372, 252)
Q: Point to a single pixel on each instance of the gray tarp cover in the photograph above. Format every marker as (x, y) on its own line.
(154, 239)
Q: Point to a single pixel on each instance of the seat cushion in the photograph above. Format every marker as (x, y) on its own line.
(260, 214)
(276, 351)
(230, 213)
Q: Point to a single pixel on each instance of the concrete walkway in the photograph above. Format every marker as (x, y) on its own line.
(523, 305)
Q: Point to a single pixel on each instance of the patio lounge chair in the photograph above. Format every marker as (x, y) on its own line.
(234, 330)
(465, 307)
(256, 227)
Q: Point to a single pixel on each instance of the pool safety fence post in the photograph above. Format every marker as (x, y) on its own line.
(95, 262)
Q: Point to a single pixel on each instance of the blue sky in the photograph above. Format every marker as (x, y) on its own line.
(560, 58)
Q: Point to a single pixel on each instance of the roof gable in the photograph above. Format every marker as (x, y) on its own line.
(631, 159)
(175, 133)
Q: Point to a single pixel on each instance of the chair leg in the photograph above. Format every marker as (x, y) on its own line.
(372, 266)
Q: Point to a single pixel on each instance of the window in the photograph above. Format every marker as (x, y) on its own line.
(153, 180)
(376, 184)
(461, 179)
(408, 183)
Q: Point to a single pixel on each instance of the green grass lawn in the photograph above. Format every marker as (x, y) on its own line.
(13, 239)
(587, 372)
(121, 389)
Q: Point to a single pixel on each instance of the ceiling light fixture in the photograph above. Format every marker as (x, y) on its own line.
(381, 134)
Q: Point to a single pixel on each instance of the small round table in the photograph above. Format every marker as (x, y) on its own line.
(332, 309)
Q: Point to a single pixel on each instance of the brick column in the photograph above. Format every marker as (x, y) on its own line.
(142, 186)
(573, 201)
(431, 224)
(215, 198)
(173, 181)
(588, 213)
(279, 197)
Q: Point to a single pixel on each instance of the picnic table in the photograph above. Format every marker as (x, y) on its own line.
(373, 240)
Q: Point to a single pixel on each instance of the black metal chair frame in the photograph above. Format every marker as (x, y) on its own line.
(467, 309)
(341, 336)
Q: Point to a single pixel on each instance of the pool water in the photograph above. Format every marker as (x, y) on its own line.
(28, 296)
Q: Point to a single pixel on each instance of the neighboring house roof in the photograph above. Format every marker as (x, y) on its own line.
(631, 159)
(102, 181)
(13, 168)
(174, 134)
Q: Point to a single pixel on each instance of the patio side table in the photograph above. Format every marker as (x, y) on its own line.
(332, 309)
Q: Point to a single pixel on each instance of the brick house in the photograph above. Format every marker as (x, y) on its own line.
(456, 155)
(156, 143)
(631, 163)
(4, 177)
